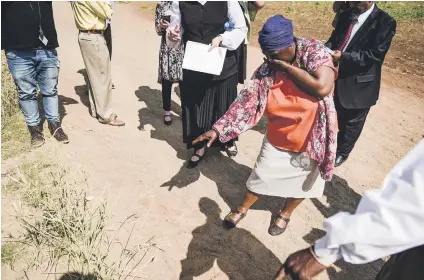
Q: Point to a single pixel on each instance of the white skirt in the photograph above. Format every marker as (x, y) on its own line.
(285, 174)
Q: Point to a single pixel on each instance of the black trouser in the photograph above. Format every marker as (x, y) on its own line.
(351, 122)
(408, 265)
(108, 38)
(166, 94)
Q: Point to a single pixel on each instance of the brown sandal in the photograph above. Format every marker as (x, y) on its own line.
(229, 223)
(274, 229)
(112, 120)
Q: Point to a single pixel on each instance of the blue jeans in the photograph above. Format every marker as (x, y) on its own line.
(32, 67)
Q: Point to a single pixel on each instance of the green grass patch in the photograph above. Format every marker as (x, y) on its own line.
(403, 10)
(10, 253)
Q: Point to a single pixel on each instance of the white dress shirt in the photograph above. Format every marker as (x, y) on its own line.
(387, 221)
(230, 39)
(361, 19)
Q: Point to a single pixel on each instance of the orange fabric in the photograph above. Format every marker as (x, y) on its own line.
(291, 114)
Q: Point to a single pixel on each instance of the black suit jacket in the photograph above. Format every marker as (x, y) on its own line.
(358, 83)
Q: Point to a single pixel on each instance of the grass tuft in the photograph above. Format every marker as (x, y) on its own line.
(62, 231)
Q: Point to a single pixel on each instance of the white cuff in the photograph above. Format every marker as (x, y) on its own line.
(325, 255)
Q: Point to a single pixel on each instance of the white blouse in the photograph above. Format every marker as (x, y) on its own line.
(230, 39)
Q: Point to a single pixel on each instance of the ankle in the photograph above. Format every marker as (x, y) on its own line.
(285, 214)
(242, 209)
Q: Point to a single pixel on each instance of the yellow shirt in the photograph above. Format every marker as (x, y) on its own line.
(91, 15)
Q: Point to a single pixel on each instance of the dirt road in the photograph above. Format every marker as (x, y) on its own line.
(139, 168)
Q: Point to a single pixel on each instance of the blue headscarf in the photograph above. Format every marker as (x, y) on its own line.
(276, 34)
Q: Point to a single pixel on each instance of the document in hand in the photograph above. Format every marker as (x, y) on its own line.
(197, 57)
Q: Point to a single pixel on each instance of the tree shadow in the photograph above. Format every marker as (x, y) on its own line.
(78, 276)
(341, 197)
(229, 176)
(237, 252)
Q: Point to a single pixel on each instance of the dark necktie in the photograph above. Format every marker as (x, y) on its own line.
(348, 33)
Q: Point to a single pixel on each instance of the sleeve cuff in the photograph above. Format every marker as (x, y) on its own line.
(324, 255)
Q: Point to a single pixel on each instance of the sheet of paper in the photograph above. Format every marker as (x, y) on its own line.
(197, 57)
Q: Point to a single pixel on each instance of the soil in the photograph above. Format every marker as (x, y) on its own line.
(140, 168)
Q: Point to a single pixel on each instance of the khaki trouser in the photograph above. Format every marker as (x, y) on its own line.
(97, 63)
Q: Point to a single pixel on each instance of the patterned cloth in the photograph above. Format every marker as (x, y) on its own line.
(249, 107)
(170, 59)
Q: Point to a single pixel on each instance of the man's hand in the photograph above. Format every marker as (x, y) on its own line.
(174, 34)
(300, 265)
(215, 42)
(337, 55)
(277, 65)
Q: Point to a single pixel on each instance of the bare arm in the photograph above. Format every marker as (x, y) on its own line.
(319, 84)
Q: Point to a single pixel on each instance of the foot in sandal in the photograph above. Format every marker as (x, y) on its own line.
(112, 120)
(234, 217)
(279, 224)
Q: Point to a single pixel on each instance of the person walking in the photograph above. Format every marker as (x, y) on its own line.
(90, 18)
(170, 59)
(204, 97)
(294, 87)
(388, 221)
(29, 38)
(360, 41)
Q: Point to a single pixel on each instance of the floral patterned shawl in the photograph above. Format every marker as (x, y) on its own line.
(250, 105)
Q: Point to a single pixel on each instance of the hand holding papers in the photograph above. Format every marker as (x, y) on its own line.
(198, 57)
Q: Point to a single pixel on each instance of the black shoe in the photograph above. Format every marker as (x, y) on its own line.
(113, 86)
(339, 161)
(193, 163)
(58, 133)
(231, 150)
(37, 138)
(167, 120)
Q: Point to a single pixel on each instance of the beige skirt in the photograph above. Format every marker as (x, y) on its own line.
(286, 174)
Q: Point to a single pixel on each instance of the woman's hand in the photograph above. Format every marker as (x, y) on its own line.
(174, 34)
(215, 42)
(277, 65)
(163, 24)
(210, 135)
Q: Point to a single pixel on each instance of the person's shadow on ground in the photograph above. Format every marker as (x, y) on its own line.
(341, 197)
(238, 253)
(230, 177)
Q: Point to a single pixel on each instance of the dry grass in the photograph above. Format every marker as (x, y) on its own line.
(61, 230)
(14, 134)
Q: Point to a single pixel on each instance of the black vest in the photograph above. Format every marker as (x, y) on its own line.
(202, 23)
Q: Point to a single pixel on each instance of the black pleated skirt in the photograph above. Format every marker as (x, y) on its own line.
(203, 102)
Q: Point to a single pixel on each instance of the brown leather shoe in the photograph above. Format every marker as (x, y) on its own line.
(37, 138)
(58, 133)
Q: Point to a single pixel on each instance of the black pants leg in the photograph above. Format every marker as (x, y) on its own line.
(351, 122)
(405, 265)
(166, 94)
(108, 39)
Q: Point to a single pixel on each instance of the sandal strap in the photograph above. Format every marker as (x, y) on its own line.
(276, 217)
(113, 117)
